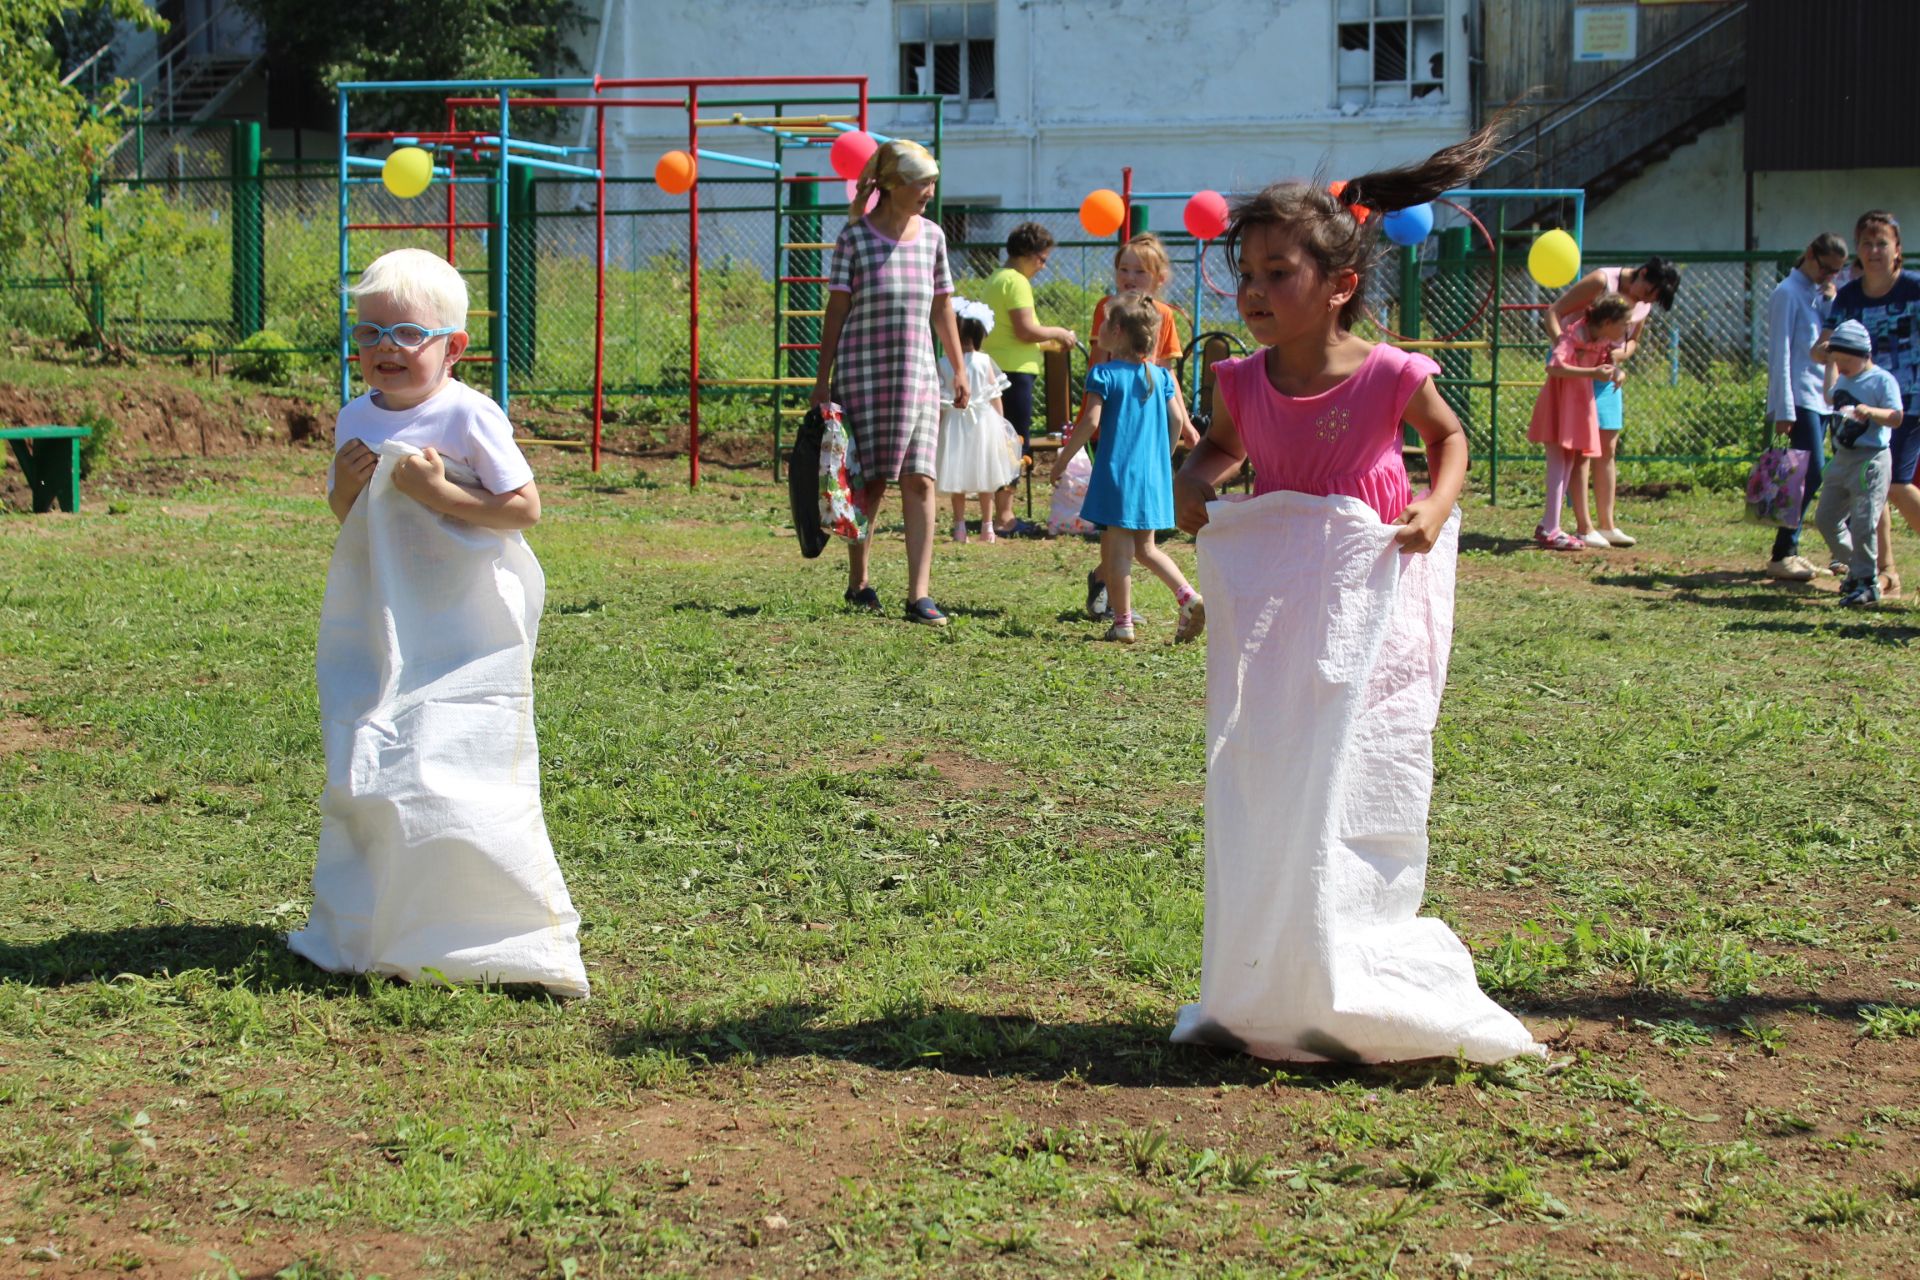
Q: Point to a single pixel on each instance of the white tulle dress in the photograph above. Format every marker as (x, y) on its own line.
(974, 455)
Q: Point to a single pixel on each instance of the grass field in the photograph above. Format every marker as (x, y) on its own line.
(887, 927)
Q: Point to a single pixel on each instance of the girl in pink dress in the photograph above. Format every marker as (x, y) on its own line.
(1565, 419)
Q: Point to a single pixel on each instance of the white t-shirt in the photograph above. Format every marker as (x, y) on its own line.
(456, 420)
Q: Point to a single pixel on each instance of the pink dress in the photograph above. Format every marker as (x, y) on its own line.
(1343, 442)
(1565, 414)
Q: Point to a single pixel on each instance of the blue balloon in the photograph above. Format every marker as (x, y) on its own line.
(1409, 226)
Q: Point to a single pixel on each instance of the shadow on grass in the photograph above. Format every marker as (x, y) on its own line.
(724, 610)
(238, 955)
(1656, 1006)
(1894, 634)
(1494, 546)
(1003, 1046)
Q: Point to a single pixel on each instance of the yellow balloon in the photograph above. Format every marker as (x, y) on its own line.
(1554, 259)
(407, 172)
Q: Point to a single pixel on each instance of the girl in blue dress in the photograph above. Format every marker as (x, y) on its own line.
(1136, 408)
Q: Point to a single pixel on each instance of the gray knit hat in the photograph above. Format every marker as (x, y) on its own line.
(1850, 338)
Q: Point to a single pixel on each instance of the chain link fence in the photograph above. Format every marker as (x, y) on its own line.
(1695, 391)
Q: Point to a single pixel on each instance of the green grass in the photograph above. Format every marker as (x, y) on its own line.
(887, 927)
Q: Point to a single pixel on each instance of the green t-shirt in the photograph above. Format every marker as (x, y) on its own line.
(1006, 292)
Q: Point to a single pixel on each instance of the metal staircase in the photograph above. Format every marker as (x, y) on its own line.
(1651, 107)
(194, 73)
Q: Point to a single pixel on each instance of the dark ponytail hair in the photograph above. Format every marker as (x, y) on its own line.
(1341, 232)
(1663, 277)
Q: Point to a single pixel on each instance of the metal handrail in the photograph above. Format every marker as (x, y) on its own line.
(164, 61)
(1626, 75)
(74, 74)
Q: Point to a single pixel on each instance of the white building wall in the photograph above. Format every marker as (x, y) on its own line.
(1696, 199)
(1209, 93)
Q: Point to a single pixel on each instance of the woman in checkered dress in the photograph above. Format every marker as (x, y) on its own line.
(889, 279)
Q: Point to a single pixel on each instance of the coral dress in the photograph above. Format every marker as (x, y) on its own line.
(1564, 414)
(1343, 442)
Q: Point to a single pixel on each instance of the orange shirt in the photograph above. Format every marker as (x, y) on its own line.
(1166, 349)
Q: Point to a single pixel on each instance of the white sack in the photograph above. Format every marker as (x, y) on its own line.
(1326, 654)
(433, 848)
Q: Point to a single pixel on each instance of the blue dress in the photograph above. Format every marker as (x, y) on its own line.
(1132, 484)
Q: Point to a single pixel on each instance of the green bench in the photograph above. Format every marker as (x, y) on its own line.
(51, 458)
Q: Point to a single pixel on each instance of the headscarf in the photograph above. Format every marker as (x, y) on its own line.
(898, 163)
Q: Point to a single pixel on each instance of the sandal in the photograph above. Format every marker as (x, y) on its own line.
(1558, 540)
(865, 598)
(924, 610)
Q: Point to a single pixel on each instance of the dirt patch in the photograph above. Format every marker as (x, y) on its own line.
(21, 734)
(152, 415)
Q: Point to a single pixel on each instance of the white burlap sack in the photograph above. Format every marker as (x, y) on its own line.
(433, 849)
(1326, 656)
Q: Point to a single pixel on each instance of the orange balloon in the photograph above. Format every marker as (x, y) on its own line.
(674, 172)
(1102, 212)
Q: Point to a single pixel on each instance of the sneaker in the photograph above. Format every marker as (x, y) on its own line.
(1193, 620)
(1616, 538)
(1594, 538)
(1120, 633)
(1791, 569)
(1557, 540)
(925, 612)
(1860, 593)
(1096, 597)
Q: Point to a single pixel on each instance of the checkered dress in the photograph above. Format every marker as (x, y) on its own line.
(883, 372)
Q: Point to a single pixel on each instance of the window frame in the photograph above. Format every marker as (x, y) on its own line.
(1348, 93)
(961, 107)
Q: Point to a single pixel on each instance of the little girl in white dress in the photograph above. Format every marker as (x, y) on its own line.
(973, 456)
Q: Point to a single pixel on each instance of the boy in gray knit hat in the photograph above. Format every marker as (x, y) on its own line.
(1866, 407)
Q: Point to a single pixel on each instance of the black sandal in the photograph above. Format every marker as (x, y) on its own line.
(865, 598)
(924, 610)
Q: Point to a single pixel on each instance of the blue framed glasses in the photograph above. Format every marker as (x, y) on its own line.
(406, 335)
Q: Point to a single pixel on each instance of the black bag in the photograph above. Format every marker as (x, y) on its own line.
(803, 484)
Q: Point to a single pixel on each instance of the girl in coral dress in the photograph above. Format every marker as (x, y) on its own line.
(1565, 420)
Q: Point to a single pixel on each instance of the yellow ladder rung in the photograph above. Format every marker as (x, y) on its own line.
(722, 122)
(809, 244)
(801, 315)
(756, 382)
(475, 311)
(795, 413)
(552, 444)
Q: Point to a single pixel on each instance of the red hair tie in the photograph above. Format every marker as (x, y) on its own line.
(1337, 190)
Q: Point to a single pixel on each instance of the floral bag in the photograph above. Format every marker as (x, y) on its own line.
(1063, 513)
(839, 473)
(1777, 488)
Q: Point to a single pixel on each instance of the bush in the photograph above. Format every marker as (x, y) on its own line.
(265, 356)
(97, 448)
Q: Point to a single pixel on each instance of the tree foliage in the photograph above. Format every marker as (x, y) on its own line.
(421, 40)
(55, 215)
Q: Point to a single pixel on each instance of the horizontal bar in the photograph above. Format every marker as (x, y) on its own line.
(723, 158)
(809, 244)
(367, 162)
(1525, 306)
(553, 444)
(438, 177)
(1437, 344)
(677, 104)
(545, 148)
(805, 279)
(756, 382)
(439, 86)
(784, 315)
(799, 346)
(724, 122)
(419, 226)
(795, 413)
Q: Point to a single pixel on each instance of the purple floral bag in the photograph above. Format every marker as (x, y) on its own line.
(1777, 488)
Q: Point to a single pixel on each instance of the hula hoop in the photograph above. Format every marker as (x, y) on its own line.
(1485, 301)
(1206, 278)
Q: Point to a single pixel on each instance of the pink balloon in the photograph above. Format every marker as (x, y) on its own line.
(873, 197)
(1206, 215)
(850, 153)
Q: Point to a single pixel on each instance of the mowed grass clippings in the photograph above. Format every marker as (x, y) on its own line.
(887, 926)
